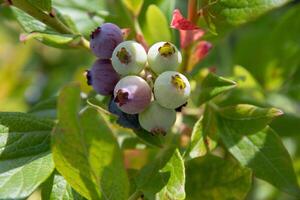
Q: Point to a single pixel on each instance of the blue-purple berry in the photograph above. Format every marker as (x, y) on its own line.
(104, 40)
(132, 94)
(103, 77)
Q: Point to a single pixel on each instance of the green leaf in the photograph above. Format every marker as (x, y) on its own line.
(85, 152)
(157, 26)
(247, 91)
(45, 109)
(28, 23)
(247, 119)
(86, 16)
(44, 5)
(232, 13)
(211, 177)
(174, 188)
(62, 190)
(214, 85)
(196, 147)
(134, 6)
(150, 180)
(150, 139)
(25, 160)
(275, 62)
(53, 39)
(265, 154)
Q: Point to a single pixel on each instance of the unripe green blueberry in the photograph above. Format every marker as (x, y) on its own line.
(132, 94)
(129, 57)
(163, 56)
(157, 119)
(171, 89)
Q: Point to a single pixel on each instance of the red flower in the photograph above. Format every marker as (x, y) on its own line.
(189, 34)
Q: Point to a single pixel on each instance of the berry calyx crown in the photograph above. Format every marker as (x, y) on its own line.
(178, 82)
(124, 56)
(121, 97)
(166, 49)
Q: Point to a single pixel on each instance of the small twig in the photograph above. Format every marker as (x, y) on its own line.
(136, 195)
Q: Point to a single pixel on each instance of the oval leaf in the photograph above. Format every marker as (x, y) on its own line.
(265, 154)
(211, 177)
(214, 85)
(53, 39)
(134, 6)
(248, 119)
(87, 155)
(44, 5)
(157, 25)
(25, 160)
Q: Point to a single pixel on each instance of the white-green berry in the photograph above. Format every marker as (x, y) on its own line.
(171, 89)
(163, 56)
(129, 57)
(157, 119)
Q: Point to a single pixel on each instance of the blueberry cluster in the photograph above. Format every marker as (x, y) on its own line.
(143, 84)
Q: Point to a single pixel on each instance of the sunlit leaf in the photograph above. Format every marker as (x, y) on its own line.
(225, 13)
(214, 85)
(157, 25)
(134, 6)
(79, 146)
(53, 39)
(265, 154)
(248, 119)
(44, 5)
(25, 160)
(211, 177)
(196, 147)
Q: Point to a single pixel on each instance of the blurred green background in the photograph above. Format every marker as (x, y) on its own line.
(268, 48)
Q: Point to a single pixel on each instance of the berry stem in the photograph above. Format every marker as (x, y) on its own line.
(192, 11)
(136, 195)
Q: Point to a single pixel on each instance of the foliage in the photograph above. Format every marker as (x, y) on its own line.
(63, 141)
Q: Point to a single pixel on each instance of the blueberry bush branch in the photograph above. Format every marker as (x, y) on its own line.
(48, 18)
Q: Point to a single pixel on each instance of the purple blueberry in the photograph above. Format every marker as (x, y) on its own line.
(104, 40)
(132, 94)
(102, 77)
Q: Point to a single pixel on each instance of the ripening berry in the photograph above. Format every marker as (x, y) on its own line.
(164, 56)
(129, 57)
(171, 89)
(102, 77)
(157, 119)
(104, 40)
(132, 94)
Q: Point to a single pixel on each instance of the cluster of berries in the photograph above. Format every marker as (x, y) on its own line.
(132, 76)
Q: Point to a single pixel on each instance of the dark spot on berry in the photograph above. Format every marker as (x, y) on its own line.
(88, 77)
(124, 56)
(121, 97)
(52, 13)
(179, 109)
(95, 32)
(158, 131)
